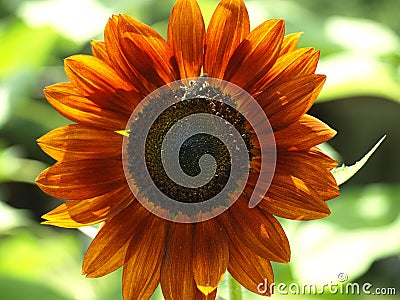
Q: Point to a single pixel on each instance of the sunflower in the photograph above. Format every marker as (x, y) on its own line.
(188, 259)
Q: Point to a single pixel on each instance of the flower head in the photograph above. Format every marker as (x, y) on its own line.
(131, 69)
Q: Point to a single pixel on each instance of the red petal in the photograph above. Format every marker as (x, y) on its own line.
(313, 169)
(228, 27)
(255, 55)
(187, 37)
(76, 142)
(291, 199)
(250, 270)
(99, 51)
(107, 251)
(67, 101)
(101, 208)
(324, 159)
(143, 260)
(139, 53)
(210, 255)
(289, 43)
(293, 65)
(260, 232)
(82, 179)
(301, 183)
(286, 103)
(117, 56)
(177, 279)
(307, 132)
(99, 82)
(60, 217)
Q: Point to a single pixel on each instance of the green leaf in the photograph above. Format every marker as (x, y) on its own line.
(123, 132)
(344, 173)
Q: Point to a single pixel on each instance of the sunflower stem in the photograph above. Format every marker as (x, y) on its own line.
(235, 290)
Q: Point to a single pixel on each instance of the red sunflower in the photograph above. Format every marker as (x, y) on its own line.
(188, 260)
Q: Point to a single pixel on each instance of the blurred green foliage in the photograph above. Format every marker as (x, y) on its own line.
(360, 49)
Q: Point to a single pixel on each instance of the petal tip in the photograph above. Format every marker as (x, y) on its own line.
(278, 22)
(206, 289)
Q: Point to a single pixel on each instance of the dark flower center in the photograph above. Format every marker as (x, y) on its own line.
(198, 153)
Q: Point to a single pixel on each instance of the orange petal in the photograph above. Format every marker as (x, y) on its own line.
(140, 53)
(107, 251)
(228, 27)
(312, 169)
(143, 260)
(303, 134)
(255, 55)
(101, 208)
(290, 42)
(295, 64)
(67, 101)
(177, 269)
(60, 217)
(250, 270)
(325, 160)
(286, 103)
(76, 142)
(210, 255)
(186, 35)
(260, 232)
(147, 51)
(116, 55)
(82, 179)
(298, 203)
(292, 194)
(99, 82)
(99, 51)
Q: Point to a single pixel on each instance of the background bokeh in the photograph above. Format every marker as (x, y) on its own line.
(360, 53)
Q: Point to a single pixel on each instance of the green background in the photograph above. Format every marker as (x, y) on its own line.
(360, 53)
